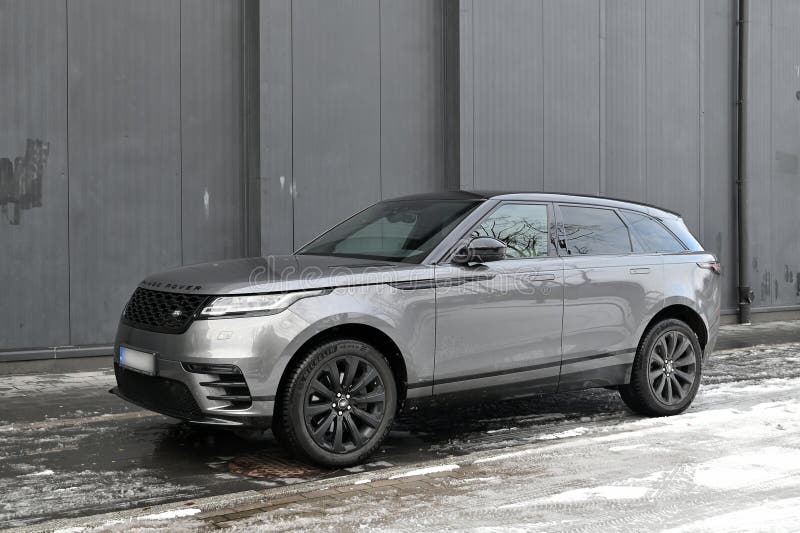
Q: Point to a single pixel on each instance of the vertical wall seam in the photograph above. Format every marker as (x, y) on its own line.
(472, 91)
(771, 149)
(701, 117)
(243, 152)
(180, 126)
(544, 85)
(446, 178)
(291, 119)
(380, 103)
(69, 211)
(645, 87)
(601, 94)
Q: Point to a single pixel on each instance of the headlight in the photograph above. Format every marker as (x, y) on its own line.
(255, 304)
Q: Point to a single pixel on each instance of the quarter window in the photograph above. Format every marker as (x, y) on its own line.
(649, 235)
(522, 227)
(594, 231)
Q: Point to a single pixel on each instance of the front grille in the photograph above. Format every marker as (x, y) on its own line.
(162, 395)
(164, 312)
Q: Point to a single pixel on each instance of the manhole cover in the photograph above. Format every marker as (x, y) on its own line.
(262, 465)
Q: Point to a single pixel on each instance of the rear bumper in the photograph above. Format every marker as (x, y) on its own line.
(713, 335)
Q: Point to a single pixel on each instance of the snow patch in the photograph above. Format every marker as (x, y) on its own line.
(428, 470)
(167, 515)
(362, 481)
(504, 456)
(379, 463)
(606, 492)
(575, 432)
(625, 448)
(501, 430)
(37, 474)
(742, 470)
(766, 516)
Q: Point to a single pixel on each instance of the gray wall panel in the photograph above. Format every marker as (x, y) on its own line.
(33, 261)
(785, 200)
(760, 152)
(571, 96)
(673, 88)
(411, 97)
(625, 112)
(466, 88)
(211, 131)
(124, 155)
(336, 131)
(277, 224)
(719, 140)
(508, 112)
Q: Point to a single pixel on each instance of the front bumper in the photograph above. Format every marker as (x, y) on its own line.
(251, 346)
(173, 398)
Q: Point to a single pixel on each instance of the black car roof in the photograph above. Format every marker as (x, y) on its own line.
(481, 195)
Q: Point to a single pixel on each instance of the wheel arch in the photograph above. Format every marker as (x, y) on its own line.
(684, 313)
(363, 332)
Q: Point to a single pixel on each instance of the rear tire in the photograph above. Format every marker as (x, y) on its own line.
(338, 404)
(666, 370)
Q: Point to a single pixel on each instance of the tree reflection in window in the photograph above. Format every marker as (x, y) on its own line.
(522, 227)
(594, 231)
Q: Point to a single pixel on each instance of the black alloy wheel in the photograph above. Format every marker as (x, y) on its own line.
(345, 404)
(673, 367)
(666, 371)
(338, 404)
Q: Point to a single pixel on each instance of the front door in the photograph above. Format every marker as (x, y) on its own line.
(498, 324)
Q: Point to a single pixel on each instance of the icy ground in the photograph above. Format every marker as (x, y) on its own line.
(732, 463)
(575, 461)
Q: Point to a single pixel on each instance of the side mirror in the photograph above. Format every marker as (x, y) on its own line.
(481, 250)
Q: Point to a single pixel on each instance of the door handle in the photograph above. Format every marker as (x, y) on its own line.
(541, 277)
(642, 270)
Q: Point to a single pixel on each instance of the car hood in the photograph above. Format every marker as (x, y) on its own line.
(281, 273)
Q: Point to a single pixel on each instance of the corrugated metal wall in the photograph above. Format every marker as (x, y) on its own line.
(34, 253)
(351, 110)
(140, 104)
(624, 98)
(774, 136)
(135, 111)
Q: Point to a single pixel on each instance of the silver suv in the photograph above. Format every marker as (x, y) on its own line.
(431, 297)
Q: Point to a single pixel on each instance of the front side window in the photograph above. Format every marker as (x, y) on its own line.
(594, 231)
(649, 235)
(395, 230)
(522, 227)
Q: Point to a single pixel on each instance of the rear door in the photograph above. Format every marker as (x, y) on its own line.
(609, 290)
(498, 324)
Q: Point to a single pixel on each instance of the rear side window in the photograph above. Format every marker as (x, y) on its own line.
(594, 231)
(649, 235)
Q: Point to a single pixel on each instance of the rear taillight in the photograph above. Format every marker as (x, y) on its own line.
(712, 265)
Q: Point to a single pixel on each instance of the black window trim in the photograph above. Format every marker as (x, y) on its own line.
(551, 218)
(657, 221)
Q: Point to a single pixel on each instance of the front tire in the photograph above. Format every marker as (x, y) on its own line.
(666, 370)
(338, 403)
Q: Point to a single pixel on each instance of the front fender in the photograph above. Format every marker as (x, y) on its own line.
(405, 316)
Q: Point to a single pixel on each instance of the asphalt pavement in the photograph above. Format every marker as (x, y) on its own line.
(70, 451)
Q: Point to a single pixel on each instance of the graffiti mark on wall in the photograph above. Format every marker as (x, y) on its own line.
(21, 180)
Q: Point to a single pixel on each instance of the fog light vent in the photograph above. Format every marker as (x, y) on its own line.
(209, 368)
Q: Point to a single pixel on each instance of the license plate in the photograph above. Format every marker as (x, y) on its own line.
(136, 360)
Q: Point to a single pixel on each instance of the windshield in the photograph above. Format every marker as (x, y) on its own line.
(395, 230)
